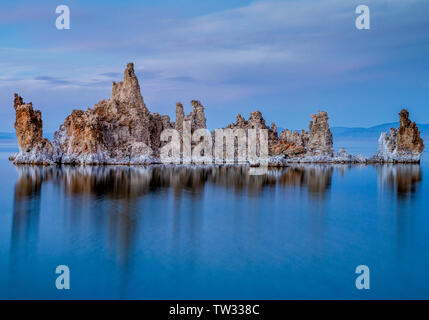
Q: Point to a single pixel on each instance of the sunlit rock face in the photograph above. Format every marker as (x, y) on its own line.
(33, 148)
(400, 145)
(316, 143)
(118, 130)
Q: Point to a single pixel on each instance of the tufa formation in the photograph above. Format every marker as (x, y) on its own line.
(121, 130)
(400, 145)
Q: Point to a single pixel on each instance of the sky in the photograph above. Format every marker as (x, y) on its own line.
(287, 59)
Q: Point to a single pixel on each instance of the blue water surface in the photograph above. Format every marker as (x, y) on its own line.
(214, 233)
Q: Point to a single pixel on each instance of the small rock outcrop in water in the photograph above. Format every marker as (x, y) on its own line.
(33, 148)
(320, 137)
(317, 141)
(400, 145)
(121, 130)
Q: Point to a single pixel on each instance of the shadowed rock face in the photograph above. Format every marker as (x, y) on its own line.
(400, 145)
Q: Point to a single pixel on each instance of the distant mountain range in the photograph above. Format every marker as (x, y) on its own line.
(365, 140)
(372, 132)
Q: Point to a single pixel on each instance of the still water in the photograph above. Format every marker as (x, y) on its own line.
(214, 233)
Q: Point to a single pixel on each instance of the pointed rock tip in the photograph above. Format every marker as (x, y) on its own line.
(17, 97)
(129, 71)
(196, 104)
(130, 66)
(256, 113)
(404, 113)
(17, 101)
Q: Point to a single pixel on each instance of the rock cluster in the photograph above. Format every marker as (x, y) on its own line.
(195, 120)
(317, 141)
(400, 145)
(121, 130)
(276, 146)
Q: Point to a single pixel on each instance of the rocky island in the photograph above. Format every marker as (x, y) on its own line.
(121, 130)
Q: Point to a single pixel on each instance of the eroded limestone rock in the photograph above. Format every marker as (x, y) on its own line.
(33, 148)
(197, 116)
(317, 141)
(180, 117)
(320, 136)
(276, 146)
(298, 138)
(118, 130)
(400, 145)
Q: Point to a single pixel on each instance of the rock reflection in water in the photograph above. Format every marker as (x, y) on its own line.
(83, 187)
(26, 215)
(315, 178)
(400, 179)
(89, 187)
(124, 182)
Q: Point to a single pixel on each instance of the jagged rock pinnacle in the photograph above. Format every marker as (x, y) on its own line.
(400, 145)
(128, 90)
(29, 132)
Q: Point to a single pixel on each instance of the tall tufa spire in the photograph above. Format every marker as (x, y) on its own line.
(128, 90)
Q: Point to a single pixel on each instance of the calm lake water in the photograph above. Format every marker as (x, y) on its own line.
(214, 233)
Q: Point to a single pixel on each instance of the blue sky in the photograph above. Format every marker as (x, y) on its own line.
(286, 58)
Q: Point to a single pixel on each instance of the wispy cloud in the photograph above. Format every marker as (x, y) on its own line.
(265, 49)
(52, 80)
